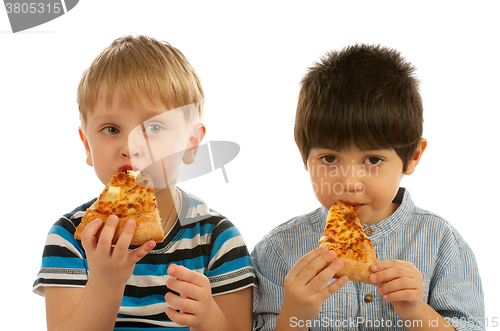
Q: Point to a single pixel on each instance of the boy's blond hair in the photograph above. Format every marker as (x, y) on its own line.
(141, 67)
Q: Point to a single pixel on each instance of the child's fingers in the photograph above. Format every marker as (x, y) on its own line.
(314, 267)
(300, 264)
(107, 233)
(184, 288)
(125, 237)
(89, 234)
(142, 251)
(190, 276)
(178, 317)
(399, 269)
(325, 275)
(185, 305)
(382, 265)
(398, 284)
(404, 295)
(330, 289)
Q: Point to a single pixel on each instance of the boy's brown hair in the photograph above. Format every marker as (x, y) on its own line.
(363, 96)
(141, 67)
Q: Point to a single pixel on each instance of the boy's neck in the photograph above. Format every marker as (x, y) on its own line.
(166, 199)
(383, 214)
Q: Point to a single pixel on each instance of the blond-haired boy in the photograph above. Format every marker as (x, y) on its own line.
(140, 107)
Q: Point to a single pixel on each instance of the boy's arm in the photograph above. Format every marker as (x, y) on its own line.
(95, 307)
(81, 309)
(237, 307)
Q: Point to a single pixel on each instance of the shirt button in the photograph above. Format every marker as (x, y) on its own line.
(368, 297)
(368, 231)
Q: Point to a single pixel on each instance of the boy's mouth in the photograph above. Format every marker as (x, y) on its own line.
(357, 207)
(127, 167)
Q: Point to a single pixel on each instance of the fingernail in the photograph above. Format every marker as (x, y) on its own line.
(324, 248)
(374, 267)
(338, 262)
(130, 222)
(373, 278)
(332, 253)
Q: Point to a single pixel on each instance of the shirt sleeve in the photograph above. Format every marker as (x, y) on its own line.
(455, 291)
(229, 266)
(271, 270)
(63, 259)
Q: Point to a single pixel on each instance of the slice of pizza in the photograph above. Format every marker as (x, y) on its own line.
(344, 235)
(128, 195)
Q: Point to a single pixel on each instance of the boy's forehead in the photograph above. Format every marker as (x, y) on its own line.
(111, 104)
(117, 99)
(352, 150)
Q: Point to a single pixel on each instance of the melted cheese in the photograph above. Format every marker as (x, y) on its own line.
(343, 232)
(123, 196)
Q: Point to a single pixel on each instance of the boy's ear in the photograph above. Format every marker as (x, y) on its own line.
(417, 155)
(87, 147)
(193, 144)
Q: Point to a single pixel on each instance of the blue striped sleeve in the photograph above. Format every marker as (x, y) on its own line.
(229, 264)
(63, 259)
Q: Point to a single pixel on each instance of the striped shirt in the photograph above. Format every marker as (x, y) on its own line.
(211, 245)
(452, 285)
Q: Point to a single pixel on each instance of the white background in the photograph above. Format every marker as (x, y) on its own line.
(251, 57)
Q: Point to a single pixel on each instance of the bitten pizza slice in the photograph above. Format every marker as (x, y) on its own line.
(344, 235)
(128, 195)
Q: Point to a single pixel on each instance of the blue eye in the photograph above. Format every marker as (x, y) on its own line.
(110, 130)
(154, 128)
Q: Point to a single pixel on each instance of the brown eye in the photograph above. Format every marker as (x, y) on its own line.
(329, 159)
(373, 160)
(111, 130)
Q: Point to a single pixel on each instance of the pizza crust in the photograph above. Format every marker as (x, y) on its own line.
(146, 227)
(357, 270)
(344, 234)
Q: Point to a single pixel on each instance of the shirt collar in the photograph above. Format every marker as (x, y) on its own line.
(396, 220)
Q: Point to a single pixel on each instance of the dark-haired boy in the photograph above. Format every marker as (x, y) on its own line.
(359, 130)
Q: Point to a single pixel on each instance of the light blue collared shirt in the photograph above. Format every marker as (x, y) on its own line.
(452, 285)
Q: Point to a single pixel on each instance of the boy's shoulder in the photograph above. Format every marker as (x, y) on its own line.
(304, 220)
(301, 232)
(411, 220)
(71, 220)
(435, 223)
(196, 210)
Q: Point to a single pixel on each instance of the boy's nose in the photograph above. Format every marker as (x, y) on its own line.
(353, 182)
(353, 186)
(135, 146)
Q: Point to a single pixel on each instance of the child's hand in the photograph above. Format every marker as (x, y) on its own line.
(195, 301)
(111, 266)
(401, 284)
(304, 292)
